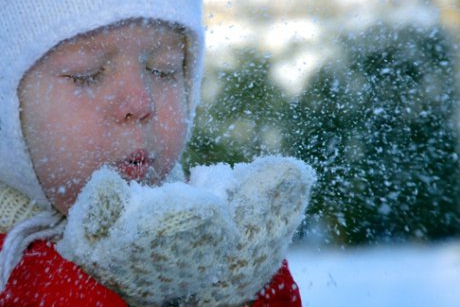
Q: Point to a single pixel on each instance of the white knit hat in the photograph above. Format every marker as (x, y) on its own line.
(29, 28)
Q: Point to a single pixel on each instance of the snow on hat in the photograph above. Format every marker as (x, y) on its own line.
(29, 28)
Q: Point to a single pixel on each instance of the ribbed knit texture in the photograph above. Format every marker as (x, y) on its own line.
(213, 242)
(14, 207)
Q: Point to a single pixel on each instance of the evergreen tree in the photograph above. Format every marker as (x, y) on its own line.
(377, 124)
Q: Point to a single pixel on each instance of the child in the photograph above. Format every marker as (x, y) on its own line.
(86, 84)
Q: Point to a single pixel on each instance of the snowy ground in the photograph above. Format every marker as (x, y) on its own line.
(404, 276)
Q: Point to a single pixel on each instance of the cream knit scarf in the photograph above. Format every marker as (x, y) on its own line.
(24, 223)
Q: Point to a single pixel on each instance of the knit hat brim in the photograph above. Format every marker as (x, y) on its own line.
(28, 29)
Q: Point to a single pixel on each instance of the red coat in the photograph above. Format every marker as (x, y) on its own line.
(43, 278)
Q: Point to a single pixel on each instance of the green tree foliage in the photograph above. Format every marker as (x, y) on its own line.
(248, 113)
(377, 123)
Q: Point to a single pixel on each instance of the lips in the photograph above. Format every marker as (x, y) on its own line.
(136, 165)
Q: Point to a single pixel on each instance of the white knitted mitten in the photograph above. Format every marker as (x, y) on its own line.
(150, 245)
(213, 242)
(267, 199)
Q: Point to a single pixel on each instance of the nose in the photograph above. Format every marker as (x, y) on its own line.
(135, 105)
(134, 98)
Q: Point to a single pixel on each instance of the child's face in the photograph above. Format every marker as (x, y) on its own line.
(113, 97)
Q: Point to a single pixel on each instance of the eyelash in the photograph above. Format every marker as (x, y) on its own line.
(165, 75)
(88, 79)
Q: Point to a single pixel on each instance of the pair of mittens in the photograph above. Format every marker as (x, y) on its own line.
(215, 241)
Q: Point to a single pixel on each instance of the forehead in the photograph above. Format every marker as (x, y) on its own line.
(152, 34)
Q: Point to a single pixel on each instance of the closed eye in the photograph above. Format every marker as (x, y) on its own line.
(85, 79)
(162, 74)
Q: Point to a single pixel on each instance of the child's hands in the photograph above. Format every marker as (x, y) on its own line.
(150, 245)
(267, 199)
(215, 242)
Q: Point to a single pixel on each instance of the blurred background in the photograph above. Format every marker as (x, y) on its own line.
(367, 92)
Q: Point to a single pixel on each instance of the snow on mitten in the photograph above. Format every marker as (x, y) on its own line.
(267, 199)
(150, 245)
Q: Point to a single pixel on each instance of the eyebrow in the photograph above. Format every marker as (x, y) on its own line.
(82, 60)
(92, 45)
(100, 51)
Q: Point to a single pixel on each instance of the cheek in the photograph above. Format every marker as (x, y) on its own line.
(173, 126)
(64, 155)
(65, 165)
(172, 119)
(68, 131)
(66, 142)
(171, 130)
